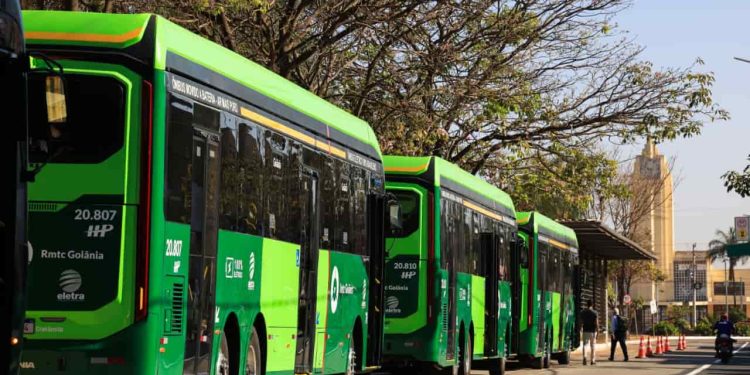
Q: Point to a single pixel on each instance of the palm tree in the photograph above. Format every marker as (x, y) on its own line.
(717, 249)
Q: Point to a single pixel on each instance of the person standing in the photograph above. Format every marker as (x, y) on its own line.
(590, 323)
(619, 331)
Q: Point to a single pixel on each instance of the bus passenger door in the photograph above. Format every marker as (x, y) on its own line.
(491, 304)
(308, 270)
(203, 237)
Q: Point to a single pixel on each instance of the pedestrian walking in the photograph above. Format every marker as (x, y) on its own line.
(619, 331)
(590, 323)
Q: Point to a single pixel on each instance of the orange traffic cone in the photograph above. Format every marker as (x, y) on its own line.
(649, 353)
(641, 350)
(667, 349)
(684, 343)
(679, 343)
(658, 346)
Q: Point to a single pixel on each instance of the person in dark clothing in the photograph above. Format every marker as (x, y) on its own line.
(722, 327)
(619, 331)
(590, 325)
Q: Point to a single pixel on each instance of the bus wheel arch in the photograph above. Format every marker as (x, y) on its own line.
(356, 346)
(465, 348)
(259, 329)
(230, 345)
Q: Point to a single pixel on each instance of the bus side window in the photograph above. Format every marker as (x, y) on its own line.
(179, 160)
(343, 227)
(251, 176)
(328, 181)
(230, 183)
(359, 206)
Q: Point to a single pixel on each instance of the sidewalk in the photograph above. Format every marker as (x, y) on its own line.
(636, 341)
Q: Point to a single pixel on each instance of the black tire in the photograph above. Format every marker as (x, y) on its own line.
(224, 358)
(464, 356)
(564, 358)
(537, 363)
(498, 367)
(254, 358)
(353, 365)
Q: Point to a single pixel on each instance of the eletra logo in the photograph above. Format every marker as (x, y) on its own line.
(70, 282)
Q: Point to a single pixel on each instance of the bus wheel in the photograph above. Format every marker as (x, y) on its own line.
(353, 362)
(547, 353)
(499, 367)
(464, 356)
(222, 363)
(563, 358)
(253, 360)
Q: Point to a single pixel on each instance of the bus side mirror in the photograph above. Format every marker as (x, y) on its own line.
(395, 226)
(47, 96)
(523, 253)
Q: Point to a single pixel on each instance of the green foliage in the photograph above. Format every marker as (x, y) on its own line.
(704, 329)
(520, 92)
(665, 328)
(739, 182)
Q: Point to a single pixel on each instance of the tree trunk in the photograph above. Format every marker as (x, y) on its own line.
(73, 5)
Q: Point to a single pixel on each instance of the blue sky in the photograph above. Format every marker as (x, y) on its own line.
(675, 33)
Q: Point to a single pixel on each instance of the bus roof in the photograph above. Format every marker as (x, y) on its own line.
(548, 227)
(121, 31)
(442, 173)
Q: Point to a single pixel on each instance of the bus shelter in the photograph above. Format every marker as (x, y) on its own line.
(598, 244)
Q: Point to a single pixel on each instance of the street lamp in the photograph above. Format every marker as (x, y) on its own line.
(743, 60)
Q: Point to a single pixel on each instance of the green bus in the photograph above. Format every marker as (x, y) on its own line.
(14, 68)
(196, 214)
(448, 289)
(546, 327)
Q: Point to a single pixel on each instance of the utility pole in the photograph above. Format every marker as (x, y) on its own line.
(726, 286)
(695, 291)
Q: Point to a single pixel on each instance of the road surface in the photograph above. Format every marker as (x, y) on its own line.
(698, 359)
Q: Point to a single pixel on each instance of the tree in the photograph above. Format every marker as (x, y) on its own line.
(739, 182)
(516, 91)
(717, 248)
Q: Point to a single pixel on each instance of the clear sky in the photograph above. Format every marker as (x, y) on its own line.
(675, 33)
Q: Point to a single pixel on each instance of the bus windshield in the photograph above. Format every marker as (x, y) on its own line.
(88, 131)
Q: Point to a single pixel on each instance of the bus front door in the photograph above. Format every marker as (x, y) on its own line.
(308, 274)
(489, 243)
(203, 237)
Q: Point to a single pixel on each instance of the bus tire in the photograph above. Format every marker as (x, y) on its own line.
(254, 358)
(537, 363)
(353, 364)
(563, 358)
(547, 353)
(464, 356)
(498, 368)
(224, 358)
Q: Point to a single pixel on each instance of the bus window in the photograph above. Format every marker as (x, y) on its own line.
(409, 202)
(328, 181)
(343, 228)
(94, 125)
(179, 159)
(229, 173)
(251, 165)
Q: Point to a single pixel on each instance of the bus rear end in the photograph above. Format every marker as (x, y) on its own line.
(88, 205)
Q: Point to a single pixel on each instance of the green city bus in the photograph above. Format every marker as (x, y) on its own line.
(14, 67)
(196, 213)
(547, 303)
(448, 290)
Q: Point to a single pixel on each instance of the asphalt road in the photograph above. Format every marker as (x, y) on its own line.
(697, 359)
